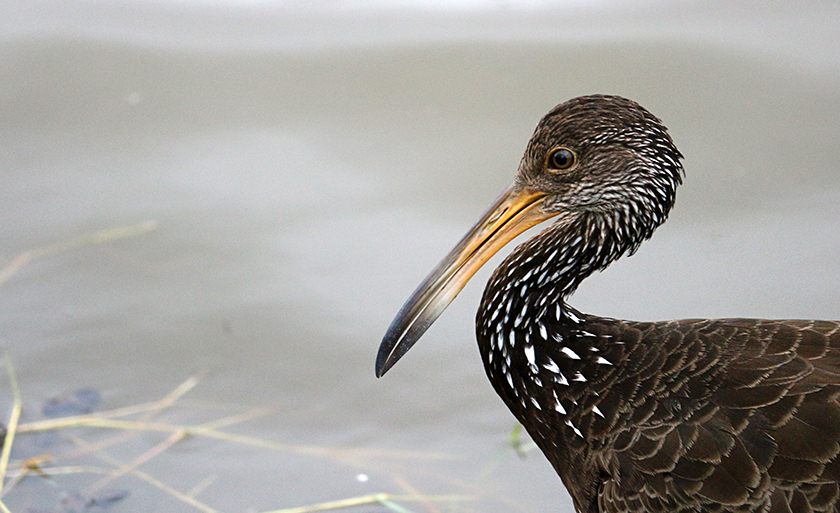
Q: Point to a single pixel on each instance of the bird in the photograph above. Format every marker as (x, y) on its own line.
(695, 415)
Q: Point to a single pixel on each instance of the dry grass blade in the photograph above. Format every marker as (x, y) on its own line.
(412, 490)
(155, 406)
(98, 237)
(143, 458)
(187, 499)
(63, 470)
(201, 486)
(235, 419)
(385, 499)
(97, 421)
(13, 422)
(101, 418)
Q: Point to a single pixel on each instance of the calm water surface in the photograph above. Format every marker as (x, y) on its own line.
(291, 173)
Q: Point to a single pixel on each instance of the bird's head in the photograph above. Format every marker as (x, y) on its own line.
(602, 156)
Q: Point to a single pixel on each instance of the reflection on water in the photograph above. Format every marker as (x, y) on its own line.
(302, 178)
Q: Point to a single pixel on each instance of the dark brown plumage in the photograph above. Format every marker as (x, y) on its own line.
(732, 415)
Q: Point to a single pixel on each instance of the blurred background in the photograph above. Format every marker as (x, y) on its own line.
(247, 191)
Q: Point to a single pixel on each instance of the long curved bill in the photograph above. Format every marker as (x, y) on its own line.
(516, 210)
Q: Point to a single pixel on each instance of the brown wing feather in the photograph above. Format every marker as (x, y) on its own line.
(726, 415)
(760, 427)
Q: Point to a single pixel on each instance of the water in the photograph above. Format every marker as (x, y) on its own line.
(303, 168)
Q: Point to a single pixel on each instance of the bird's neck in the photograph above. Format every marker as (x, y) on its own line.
(524, 308)
(544, 271)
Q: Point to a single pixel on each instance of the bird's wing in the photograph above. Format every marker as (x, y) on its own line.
(746, 415)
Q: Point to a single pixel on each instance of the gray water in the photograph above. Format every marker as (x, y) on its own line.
(292, 171)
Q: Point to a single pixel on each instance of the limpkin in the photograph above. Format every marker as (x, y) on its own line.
(727, 415)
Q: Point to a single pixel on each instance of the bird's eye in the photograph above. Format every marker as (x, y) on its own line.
(560, 159)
